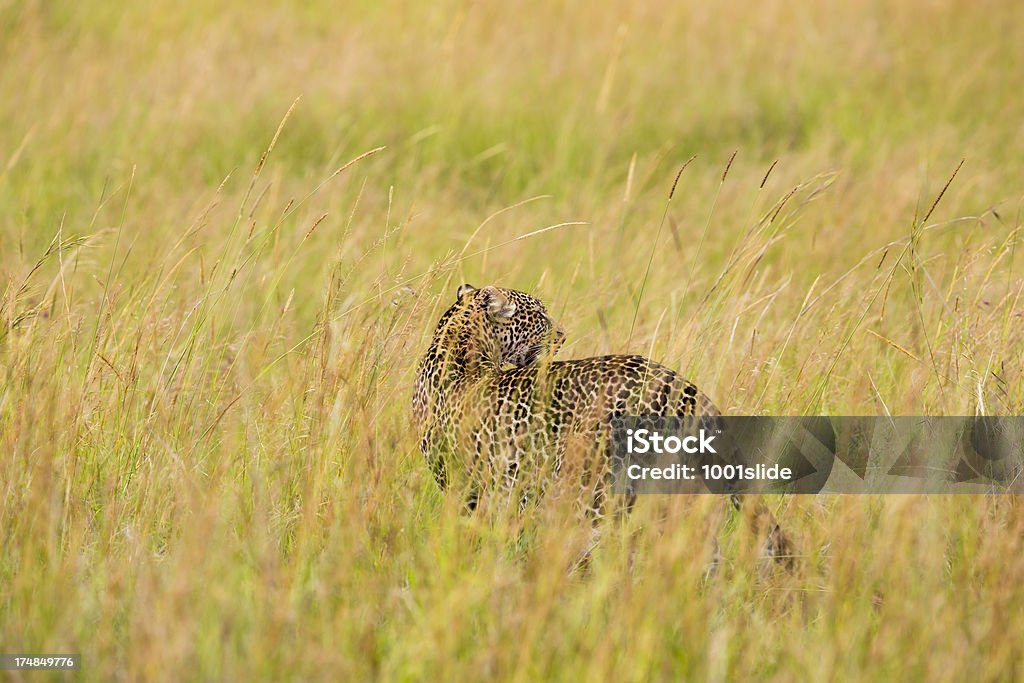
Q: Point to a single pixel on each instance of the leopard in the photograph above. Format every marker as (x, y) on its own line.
(492, 404)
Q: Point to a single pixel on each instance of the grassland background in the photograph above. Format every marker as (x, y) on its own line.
(207, 468)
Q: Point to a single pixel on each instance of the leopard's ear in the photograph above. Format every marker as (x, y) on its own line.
(499, 308)
(463, 291)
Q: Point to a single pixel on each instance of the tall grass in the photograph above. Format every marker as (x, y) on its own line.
(214, 295)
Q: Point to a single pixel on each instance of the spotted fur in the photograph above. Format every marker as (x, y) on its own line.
(489, 399)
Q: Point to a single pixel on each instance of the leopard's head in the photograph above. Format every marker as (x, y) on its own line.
(512, 325)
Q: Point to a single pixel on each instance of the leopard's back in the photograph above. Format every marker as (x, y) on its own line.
(578, 395)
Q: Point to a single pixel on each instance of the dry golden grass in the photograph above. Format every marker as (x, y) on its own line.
(207, 466)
